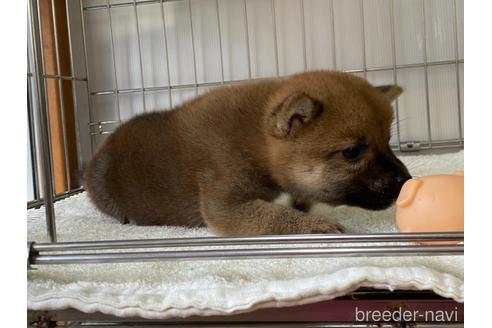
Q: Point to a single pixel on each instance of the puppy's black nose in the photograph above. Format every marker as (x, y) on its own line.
(400, 179)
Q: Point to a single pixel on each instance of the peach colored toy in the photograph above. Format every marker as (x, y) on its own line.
(431, 204)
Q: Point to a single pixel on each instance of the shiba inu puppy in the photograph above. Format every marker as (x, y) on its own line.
(220, 159)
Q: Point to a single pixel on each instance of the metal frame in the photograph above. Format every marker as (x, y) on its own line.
(211, 84)
(43, 113)
(32, 130)
(345, 245)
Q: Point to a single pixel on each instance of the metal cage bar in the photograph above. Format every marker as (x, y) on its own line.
(426, 75)
(126, 4)
(115, 74)
(140, 60)
(333, 35)
(74, 91)
(32, 141)
(47, 167)
(164, 31)
(275, 37)
(63, 77)
(457, 66)
(32, 129)
(234, 254)
(320, 246)
(246, 37)
(303, 34)
(219, 32)
(363, 34)
(86, 65)
(40, 201)
(195, 73)
(209, 84)
(256, 240)
(395, 74)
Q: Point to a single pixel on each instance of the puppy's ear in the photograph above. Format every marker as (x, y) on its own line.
(295, 111)
(391, 91)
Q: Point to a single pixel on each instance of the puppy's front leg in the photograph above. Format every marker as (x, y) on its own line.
(258, 217)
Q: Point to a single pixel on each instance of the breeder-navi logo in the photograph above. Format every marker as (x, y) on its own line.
(404, 315)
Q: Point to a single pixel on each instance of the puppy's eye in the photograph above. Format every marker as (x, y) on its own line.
(352, 152)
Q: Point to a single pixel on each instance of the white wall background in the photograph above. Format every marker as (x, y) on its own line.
(227, 40)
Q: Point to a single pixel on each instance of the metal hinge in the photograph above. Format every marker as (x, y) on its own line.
(30, 253)
(410, 146)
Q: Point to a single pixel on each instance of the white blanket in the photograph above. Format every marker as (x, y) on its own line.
(163, 290)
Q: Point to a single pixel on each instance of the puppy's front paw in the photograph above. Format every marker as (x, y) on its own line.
(323, 225)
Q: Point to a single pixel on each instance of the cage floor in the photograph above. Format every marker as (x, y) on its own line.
(163, 290)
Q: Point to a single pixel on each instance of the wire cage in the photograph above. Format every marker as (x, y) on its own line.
(93, 64)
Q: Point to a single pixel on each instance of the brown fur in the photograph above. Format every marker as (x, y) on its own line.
(221, 158)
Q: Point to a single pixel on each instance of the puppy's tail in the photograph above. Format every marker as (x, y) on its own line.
(95, 178)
